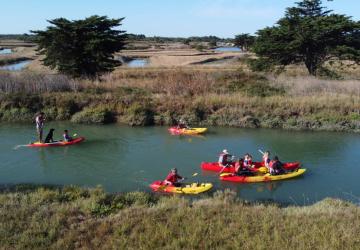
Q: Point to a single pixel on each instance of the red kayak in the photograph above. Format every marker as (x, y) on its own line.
(214, 166)
(57, 143)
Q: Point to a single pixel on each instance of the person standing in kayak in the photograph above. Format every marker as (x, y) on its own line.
(173, 178)
(39, 120)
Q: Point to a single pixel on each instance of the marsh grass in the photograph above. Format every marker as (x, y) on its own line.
(203, 96)
(71, 217)
(34, 83)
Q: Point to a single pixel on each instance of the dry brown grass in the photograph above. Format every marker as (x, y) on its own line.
(307, 86)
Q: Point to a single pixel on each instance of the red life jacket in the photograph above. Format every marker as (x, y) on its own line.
(271, 164)
(173, 178)
(247, 163)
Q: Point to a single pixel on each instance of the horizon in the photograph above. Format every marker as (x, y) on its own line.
(221, 18)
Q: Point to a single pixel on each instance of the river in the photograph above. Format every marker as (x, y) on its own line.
(123, 159)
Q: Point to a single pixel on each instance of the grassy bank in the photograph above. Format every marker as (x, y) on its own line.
(201, 95)
(71, 217)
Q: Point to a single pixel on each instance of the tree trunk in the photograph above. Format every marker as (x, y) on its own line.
(311, 65)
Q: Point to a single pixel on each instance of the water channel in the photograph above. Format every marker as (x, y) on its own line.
(123, 159)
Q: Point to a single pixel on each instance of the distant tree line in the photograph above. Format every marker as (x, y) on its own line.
(22, 37)
(186, 40)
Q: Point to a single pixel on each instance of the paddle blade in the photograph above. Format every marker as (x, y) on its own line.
(225, 174)
(263, 170)
(195, 174)
(75, 135)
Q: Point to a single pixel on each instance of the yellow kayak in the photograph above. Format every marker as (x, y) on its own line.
(261, 178)
(187, 131)
(193, 188)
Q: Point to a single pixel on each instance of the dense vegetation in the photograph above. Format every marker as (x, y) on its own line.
(244, 41)
(81, 48)
(202, 97)
(70, 217)
(309, 34)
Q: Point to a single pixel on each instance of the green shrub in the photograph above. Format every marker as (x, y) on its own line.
(260, 65)
(138, 115)
(254, 85)
(97, 115)
(16, 114)
(166, 118)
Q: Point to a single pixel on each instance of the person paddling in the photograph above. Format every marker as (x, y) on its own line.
(39, 120)
(224, 158)
(276, 167)
(248, 163)
(173, 178)
(182, 124)
(241, 169)
(266, 159)
(66, 136)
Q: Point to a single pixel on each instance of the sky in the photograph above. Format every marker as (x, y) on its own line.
(173, 18)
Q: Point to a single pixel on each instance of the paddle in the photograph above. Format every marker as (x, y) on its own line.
(162, 187)
(226, 174)
(233, 157)
(19, 146)
(261, 152)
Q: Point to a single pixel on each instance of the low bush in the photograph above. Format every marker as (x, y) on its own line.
(96, 115)
(138, 115)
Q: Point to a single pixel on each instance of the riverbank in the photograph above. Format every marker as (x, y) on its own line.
(72, 217)
(204, 96)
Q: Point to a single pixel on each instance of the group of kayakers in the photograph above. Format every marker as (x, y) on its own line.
(40, 122)
(244, 165)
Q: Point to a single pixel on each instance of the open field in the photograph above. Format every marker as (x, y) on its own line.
(71, 217)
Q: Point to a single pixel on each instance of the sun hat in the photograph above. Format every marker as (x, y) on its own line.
(225, 151)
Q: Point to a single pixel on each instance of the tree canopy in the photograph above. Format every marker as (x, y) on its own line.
(244, 41)
(309, 34)
(81, 48)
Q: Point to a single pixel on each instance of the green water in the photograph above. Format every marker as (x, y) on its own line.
(126, 159)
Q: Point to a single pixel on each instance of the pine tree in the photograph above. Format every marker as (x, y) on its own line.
(309, 34)
(81, 48)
